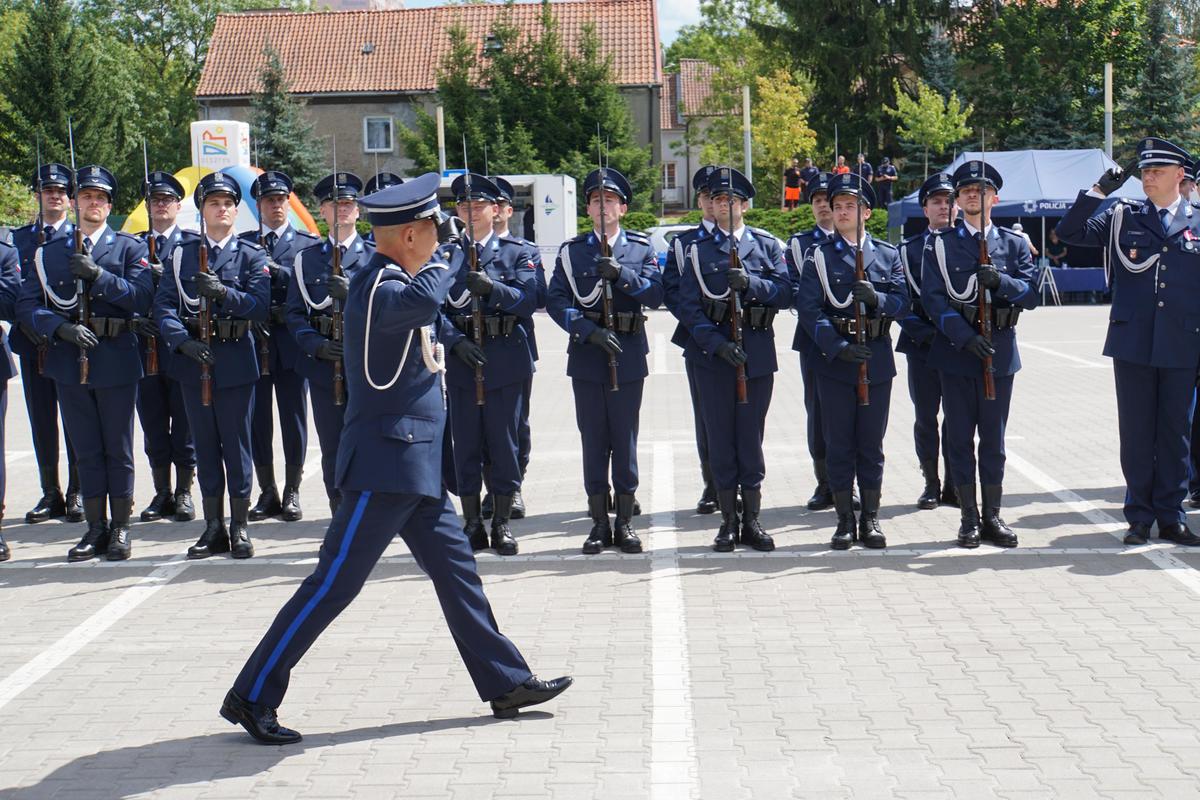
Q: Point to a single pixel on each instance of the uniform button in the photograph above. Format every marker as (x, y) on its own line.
(1160, 303)
(1165, 249)
(1162, 286)
(1164, 268)
(410, 437)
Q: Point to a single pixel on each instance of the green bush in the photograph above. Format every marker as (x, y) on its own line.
(633, 221)
(784, 223)
(18, 206)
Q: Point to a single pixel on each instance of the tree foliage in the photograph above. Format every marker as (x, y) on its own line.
(1162, 100)
(779, 127)
(927, 124)
(283, 135)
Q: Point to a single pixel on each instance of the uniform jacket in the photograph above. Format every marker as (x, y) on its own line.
(162, 255)
(916, 329)
(25, 240)
(793, 256)
(284, 351)
(673, 271)
(10, 288)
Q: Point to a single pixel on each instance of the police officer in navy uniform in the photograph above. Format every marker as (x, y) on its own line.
(607, 416)
(165, 433)
(505, 288)
(236, 290)
(826, 301)
(271, 191)
(917, 330)
(1153, 333)
(10, 288)
(672, 272)
(376, 183)
(951, 279)
(57, 187)
(112, 270)
(310, 303)
(706, 297)
(390, 471)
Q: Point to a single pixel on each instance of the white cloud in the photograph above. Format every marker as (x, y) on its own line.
(673, 15)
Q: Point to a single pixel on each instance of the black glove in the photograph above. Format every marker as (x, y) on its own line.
(197, 351)
(855, 353)
(610, 268)
(338, 287)
(77, 335)
(210, 286)
(31, 334)
(272, 267)
(731, 353)
(449, 228)
(82, 266)
(927, 335)
(329, 350)
(989, 278)
(144, 326)
(1114, 178)
(979, 347)
(471, 353)
(606, 340)
(739, 281)
(156, 270)
(864, 293)
(262, 329)
(278, 315)
(478, 283)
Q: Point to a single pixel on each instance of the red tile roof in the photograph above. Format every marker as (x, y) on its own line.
(695, 86)
(409, 44)
(668, 112)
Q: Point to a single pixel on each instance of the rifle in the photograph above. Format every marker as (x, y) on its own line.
(735, 309)
(606, 297)
(85, 303)
(41, 240)
(985, 295)
(151, 341)
(339, 369)
(264, 344)
(473, 261)
(863, 387)
(204, 308)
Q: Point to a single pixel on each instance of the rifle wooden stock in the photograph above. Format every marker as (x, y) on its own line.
(985, 313)
(735, 323)
(85, 310)
(151, 341)
(205, 321)
(863, 387)
(339, 366)
(606, 309)
(476, 320)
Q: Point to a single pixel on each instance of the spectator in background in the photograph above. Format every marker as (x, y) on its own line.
(841, 168)
(1056, 250)
(792, 185)
(1020, 229)
(807, 175)
(886, 177)
(864, 169)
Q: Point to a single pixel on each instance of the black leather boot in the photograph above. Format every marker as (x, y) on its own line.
(624, 536)
(268, 504)
(968, 527)
(215, 538)
(290, 505)
(5, 553)
(74, 502)
(949, 495)
(752, 532)
(95, 540)
(52, 505)
(822, 496)
(488, 507)
(473, 523)
(707, 504)
(601, 535)
(846, 532)
(239, 534)
(933, 486)
(163, 504)
(993, 528)
(185, 510)
(868, 524)
(502, 539)
(518, 506)
(120, 544)
(727, 534)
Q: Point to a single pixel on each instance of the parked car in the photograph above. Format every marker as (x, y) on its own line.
(661, 237)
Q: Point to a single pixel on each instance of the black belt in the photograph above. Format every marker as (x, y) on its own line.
(108, 326)
(755, 317)
(623, 321)
(223, 329)
(1002, 318)
(494, 325)
(874, 327)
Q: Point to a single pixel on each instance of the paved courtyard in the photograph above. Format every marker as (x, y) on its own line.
(1065, 668)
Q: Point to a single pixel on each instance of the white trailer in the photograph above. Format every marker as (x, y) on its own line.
(545, 203)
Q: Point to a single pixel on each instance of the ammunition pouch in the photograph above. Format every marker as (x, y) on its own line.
(1002, 318)
(874, 327)
(494, 325)
(625, 322)
(754, 317)
(108, 327)
(223, 329)
(322, 324)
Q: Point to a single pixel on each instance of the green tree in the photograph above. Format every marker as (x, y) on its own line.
(928, 124)
(282, 130)
(779, 126)
(1161, 100)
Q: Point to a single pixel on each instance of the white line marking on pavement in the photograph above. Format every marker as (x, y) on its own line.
(672, 749)
(661, 350)
(1105, 522)
(40, 665)
(1084, 362)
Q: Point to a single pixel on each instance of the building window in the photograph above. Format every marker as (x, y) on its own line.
(668, 174)
(377, 134)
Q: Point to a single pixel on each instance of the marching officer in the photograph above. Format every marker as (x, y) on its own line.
(672, 272)
(165, 432)
(951, 279)
(1153, 338)
(94, 356)
(713, 284)
(503, 283)
(54, 187)
(312, 294)
(376, 183)
(281, 241)
(10, 287)
(606, 357)
(917, 330)
(218, 376)
(832, 304)
(391, 474)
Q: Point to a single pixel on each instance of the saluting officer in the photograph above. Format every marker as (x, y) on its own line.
(57, 187)
(10, 287)
(235, 291)
(377, 183)
(310, 302)
(672, 272)
(505, 286)
(917, 330)
(1153, 337)
(95, 361)
(165, 433)
(951, 279)
(391, 473)
(607, 413)
(709, 288)
(826, 301)
(271, 191)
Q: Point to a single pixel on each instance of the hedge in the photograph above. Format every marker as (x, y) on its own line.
(784, 223)
(633, 221)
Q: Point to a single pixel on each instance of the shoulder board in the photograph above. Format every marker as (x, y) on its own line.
(579, 237)
(186, 236)
(885, 246)
(760, 232)
(916, 237)
(250, 243)
(1009, 231)
(1129, 201)
(512, 239)
(131, 236)
(248, 236)
(307, 235)
(30, 227)
(637, 236)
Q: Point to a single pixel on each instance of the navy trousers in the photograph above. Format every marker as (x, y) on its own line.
(362, 528)
(812, 408)
(853, 433)
(3, 467)
(735, 432)
(329, 419)
(222, 435)
(491, 428)
(1154, 416)
(524, 432)
(968, 413)
(608, 426)
(1194, 481)
(100, 423)
(165, 432)
(290, 391)
(925, 389)
(41, 401)
(697, 415)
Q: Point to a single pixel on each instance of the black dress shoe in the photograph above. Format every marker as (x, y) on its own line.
(51, 506)
(1179, 534)
(707, 504)
(5, 553)
(259, 721)
(529, 693)
(268, 505)
(1139, 533)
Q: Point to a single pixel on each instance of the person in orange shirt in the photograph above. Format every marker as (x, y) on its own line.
(841, 168)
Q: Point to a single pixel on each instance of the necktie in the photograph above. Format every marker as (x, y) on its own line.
(271, 240)
(213, 252)
(478, 251)
(160, 243)
(48, 232)
(1163, 213)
